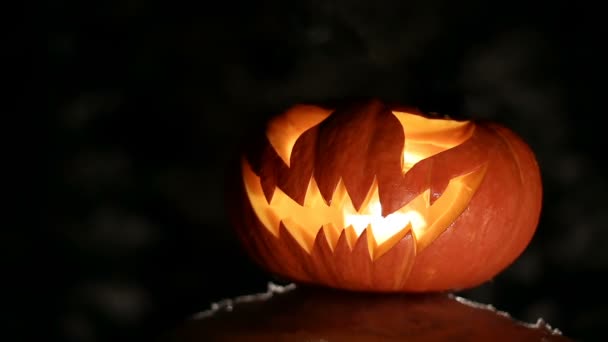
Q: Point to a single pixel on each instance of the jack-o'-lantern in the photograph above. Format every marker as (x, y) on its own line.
(372, 197)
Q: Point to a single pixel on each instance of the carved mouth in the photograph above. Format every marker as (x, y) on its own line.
(426, 220)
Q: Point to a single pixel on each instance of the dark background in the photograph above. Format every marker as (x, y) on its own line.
(146, 102)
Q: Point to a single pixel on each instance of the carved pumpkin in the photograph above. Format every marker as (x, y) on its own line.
(376, 198)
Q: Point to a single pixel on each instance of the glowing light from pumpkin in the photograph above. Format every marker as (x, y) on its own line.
(424, 138)
(426, 221)
(384, 227)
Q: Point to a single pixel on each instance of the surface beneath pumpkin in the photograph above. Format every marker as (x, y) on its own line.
(314, 314)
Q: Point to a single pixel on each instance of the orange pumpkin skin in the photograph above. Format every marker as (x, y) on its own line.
(361, 145)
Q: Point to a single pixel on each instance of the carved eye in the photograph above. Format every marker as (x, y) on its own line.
(371, 198)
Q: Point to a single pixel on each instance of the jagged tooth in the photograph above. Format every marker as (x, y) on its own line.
(321, 240)
(359, 191)
(371, 241)
(361, 246)
(321, 259)
(298, 234)
(342, 245)
(381, 249)
(373, 139)
(332, 234)
(351, 236)
(392, 269)
(327, 183)
(341, 261)
(268, 187)
(361, 260)
(292, 253)
(352, 268)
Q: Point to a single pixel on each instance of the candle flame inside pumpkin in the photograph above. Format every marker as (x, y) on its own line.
(425, 138)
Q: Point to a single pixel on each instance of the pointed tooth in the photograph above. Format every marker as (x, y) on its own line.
(392, 269)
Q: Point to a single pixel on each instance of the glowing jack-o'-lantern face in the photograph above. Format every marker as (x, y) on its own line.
(426, 137)
(333, 193)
